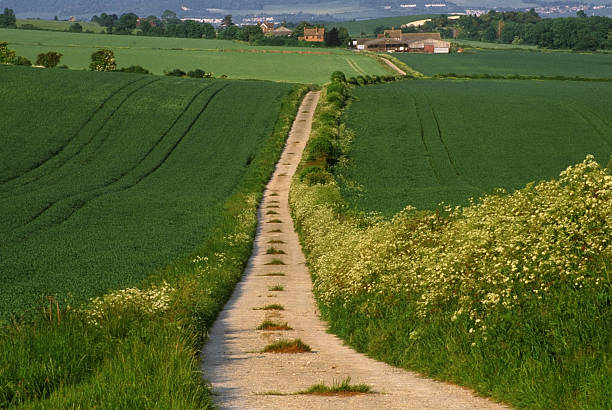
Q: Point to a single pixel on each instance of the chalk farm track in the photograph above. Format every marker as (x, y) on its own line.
(242, 377)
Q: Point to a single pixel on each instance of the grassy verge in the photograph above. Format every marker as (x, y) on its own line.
(509, 296)
(138, 348)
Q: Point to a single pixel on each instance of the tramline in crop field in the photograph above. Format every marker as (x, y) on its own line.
(97, 192)
(423, 142)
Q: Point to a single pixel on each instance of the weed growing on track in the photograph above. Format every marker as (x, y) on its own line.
(510, 296)
(274, 306)
(287, 346)
(338, 388)
(276, 288)
(269, 325)
(273, 251)
(118, 351)
(276, 261)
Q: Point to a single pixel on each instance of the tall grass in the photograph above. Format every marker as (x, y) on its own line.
(138, 348)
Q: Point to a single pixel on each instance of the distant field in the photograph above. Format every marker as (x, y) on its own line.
(60, 25)
(356, 28)
(512, 62)
(234, 59)
(488, 45)
(422, 142)
(98, 191)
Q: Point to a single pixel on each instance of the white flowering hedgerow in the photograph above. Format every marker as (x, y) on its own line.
(147, 302)
(477, 261)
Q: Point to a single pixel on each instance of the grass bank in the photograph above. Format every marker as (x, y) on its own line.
(139, 347)
(509, 296)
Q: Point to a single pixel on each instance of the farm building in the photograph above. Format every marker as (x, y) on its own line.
(404, 42)
(393, 33)
(266, 27)
(282, 31)
(314, 34)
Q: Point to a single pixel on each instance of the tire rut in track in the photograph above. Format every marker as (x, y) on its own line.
(80, 203)
(59, 150)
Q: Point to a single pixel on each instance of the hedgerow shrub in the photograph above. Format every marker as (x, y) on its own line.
(49, 60)
(103, 60)
(177, 72)
(134, 69)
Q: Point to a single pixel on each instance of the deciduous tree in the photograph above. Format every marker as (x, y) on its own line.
(103, 60)
(49, 60)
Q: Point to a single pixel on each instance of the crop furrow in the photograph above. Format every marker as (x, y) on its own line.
(60, 149)
(356, 67)
(62, 162)
(80, 203)
(447, 150)
(427, 150)
(591, 123)
(122, 175)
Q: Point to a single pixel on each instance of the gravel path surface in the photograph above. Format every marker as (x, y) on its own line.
(393, 66)
(240, 374)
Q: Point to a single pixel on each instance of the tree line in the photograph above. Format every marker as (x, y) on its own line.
(169, 25)
(8, 19)
(576, 33)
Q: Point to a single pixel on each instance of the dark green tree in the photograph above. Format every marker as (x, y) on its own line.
(75, 28)
(227, 21)
(126, 23)
(169, 15)
(331, 38)
(49, 60)
(250, 33)
(20, 60)
(8, 19)
(208, 31)
(343, 36)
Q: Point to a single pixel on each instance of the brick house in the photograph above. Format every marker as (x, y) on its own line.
(314, 34)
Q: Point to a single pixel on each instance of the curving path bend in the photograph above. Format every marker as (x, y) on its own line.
(239, 373)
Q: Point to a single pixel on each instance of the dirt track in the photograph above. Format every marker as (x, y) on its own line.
(239, 373)
(393, 66)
